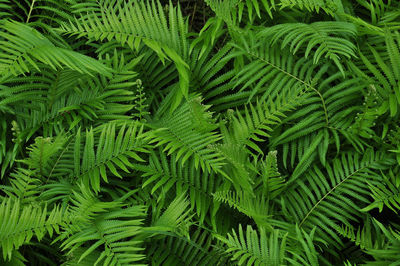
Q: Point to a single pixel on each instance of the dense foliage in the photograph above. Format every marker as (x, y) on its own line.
(224, 132)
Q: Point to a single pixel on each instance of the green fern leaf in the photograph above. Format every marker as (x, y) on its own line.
(18, 224)
(22, 46)
(326, 39)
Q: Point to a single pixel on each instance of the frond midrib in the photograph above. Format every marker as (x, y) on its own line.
(306, 84)
(328, 193)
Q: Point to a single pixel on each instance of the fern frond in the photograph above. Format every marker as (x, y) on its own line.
(175, 250)
(236, 165)
(163, 174)
(309, 131)
(335, 195)
(303, 251)
(74, 99)
(140, 104)
(73, 258)
(13, 92)
(215, 132)
(18, 224)
(111, 150)
(113, 226)
(369, 236)
(181, 132)
(134, 23)
(90, 155)
(85, 207)
(254, 207)
(24, 186)
(115, 235)
(386, 194)
(42, 152)
(327, 39)
(16, 260)
(257, 121)
(59, 190)
(366, 119)
(224, 10)
(271, 72)
(176, 217)
(386, 254)
(208, 72)
(252, 247)
(22, 46)
(233, 11)
(379, 68)
(330, 7)
(5, 8)
(271, 183)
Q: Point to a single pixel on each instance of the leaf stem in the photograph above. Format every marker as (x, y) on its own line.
(30, 11)
(298, 79)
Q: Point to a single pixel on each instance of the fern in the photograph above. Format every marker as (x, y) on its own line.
(42, 152)
(384, 194)
(215, 132)
(167, 43)
(328, 6)
(250, 247)
(328, 39)
(272, 183)
(370, 236)
(108, 154)
(197, 143)
(256, 208)
(22, 46)
(176, 217)
(163, 175)
(20, 223)
(336, 197)
(195, 251)
(102, 223)
(24, 185)
(257, 121)
(385, 75)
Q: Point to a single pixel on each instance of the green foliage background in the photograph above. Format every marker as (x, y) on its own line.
(223, 132)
